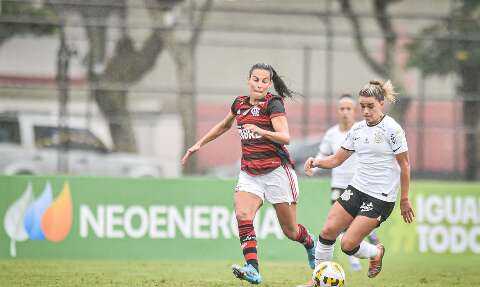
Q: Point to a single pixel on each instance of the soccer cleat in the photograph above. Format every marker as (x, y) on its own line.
(309, 283)
(375, 264)
(247, 273)
(311, 253)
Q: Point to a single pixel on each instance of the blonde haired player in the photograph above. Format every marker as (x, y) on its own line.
(382, 167)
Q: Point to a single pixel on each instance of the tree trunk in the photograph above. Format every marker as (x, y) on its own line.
(185, 59)
(126, 67)
(113, 105)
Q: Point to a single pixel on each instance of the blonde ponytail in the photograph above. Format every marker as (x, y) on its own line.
(380, 90)
(389, 92)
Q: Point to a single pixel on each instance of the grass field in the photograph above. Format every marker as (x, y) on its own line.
(450, 271)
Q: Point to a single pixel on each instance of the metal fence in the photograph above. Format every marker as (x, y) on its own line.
(319, 48)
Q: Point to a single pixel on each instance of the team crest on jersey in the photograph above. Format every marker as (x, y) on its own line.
(255, 111)
(378, 138)
(346, 195)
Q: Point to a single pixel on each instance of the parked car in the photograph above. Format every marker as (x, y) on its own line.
(33, 143)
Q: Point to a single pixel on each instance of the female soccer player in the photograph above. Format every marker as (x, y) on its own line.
(382, 165)
(266, 168)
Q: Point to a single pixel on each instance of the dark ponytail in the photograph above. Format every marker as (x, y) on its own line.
(279, 85)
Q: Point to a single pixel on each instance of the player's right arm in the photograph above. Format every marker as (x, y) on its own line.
(331, 161)
(217, 130)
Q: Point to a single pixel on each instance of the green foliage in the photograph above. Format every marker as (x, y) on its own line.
(23, 18)
(449, 46)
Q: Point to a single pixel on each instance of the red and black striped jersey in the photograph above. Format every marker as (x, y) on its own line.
(259, 155)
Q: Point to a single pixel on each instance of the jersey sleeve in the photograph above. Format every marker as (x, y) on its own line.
(233, 108)
(398, 140)
(275, 108)
(348, 143)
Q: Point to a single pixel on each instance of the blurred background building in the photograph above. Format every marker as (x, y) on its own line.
(146, 78)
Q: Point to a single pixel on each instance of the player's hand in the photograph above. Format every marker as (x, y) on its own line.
(253, 128)
(406, 210)
(308, 167)
(189, 152)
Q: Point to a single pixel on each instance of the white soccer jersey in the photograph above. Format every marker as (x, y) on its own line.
(378, 173)
(331, 142)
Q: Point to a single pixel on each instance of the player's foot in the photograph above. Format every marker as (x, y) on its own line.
(247, 272)
(355, 263)
(311, 253)
(309, 283)
(375, 264)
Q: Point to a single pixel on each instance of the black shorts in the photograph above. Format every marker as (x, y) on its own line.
(357, 203)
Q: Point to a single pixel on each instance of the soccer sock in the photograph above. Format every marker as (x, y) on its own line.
(365, 250)
(248, 241)
(324, 250)
(353, 260)
(304, 237)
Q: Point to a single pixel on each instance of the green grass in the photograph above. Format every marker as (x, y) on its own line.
(453, 271)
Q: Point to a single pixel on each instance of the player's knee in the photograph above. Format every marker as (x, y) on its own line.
(328, 232)
(242, 215)
(348, 245)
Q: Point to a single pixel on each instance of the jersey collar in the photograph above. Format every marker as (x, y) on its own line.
(376, 123)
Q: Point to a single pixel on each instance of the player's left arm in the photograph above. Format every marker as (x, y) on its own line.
(280, 133)
(405, 206)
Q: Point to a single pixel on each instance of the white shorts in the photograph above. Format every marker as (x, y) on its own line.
(278, 186)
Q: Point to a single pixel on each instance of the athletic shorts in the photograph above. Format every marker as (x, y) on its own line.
(358, 203)
(335, 193)
(278, 186)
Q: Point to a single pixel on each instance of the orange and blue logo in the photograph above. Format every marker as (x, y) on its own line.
(41, 218)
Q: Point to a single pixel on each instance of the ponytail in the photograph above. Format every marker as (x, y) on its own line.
(380, 90)
(278, 84)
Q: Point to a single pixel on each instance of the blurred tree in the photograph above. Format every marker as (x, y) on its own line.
(183, 48)
(24, 18)
(111, 77)
(453, 46)
(388, 67)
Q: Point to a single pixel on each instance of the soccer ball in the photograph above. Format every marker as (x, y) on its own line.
(328, 274)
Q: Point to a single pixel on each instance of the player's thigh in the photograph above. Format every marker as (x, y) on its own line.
(360, 227)
(338, 219)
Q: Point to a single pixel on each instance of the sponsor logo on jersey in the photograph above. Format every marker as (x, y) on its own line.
(378, 138)
(247, 134)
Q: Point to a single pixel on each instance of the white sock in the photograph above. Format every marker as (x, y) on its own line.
(366, 250)
(353, 260)
(323, 252)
